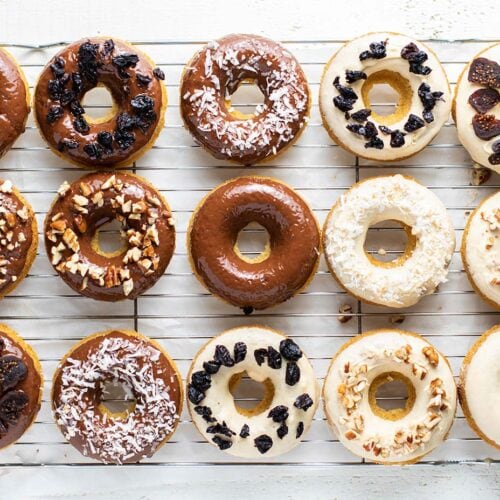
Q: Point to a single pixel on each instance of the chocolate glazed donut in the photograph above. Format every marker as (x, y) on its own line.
(14, 101)
(282, 270)
(139, 99)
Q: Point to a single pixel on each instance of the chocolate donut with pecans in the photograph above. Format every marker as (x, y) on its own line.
(139, 103)
(72, 230)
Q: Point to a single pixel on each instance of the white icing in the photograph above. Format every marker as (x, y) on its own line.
(384, 198)
(378, 438)
(221, 402)
(482, 386)
(482, 248)
(464, 113)
(347, 58)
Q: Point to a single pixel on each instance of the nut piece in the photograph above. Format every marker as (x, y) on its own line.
(431, 354)
(128, 286)
(345, 311)
(70, 238)
(397, 319)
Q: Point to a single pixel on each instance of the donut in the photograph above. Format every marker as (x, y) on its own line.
(276, 424)
(21, 385)
(72, 228)
(389, 436)
(481, 249)
(18, 237)
(14, 101)
(476, 96)
(479, 387)
(139, 103)
(424, 264)
(286, 265)
(143, 368)
(411, 69)
(213, 75)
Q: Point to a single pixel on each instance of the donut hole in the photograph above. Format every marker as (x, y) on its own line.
(389, 243)
(99, 104)
(108, 240)
(116, 399)
(253, 244)
(391, 395)
(246, 101)
(250, 396)
(388, 95)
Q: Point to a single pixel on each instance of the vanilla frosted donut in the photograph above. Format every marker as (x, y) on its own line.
(402, 282)
(276, 424)
(481, 249)
(396, 436)
(411, 69)
(479, 387)
(476, 99)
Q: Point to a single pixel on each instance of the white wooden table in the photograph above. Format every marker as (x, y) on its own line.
(178, 311)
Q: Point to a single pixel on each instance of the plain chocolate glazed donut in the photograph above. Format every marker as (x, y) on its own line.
(282, 270)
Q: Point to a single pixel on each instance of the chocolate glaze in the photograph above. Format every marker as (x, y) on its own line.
(31, 386)
(217, 70)
(14, 107)
(135, 189)
(123, 90)
(162, 368)
(294, 242)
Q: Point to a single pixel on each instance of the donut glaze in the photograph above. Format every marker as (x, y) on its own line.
(288, 264)
(394, 436)
(20, 365)
(216, 71)
(138, 94)
(14, 101)
(140, 365)
(72, 224)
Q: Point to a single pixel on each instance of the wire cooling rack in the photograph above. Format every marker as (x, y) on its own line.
(181, 315)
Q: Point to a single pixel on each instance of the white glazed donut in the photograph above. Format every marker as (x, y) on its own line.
(424, 265)
(481, 249)
(396, 436)
(276, 425)
(411, 69)
(479, 387)
(476, 98)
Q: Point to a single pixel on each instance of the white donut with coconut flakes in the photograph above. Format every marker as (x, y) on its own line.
(423, 267)
(411, 69)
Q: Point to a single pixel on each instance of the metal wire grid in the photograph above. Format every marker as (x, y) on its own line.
(182, 316)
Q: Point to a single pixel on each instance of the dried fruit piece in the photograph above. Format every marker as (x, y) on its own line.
(11, 406)
(416, 58)
(260, 355)
(205, 412)
(278, 413)
(367, 130)
(344, 91)
(81, 125)
(342, 103)
(201, 380)
(486, 126)
(273, 358)
(263, 443)
(482, 100)
(361, 115)
(303, 402)
(377, 51)
(292, 374)
(195, 396)
(87, 61)
(220, 429)
(67, 144)
(375, 142)
(159, 74)
(413, 123)
(12, 371)
(124, 61)
(282, 430)
(300, 430)
(93, 150)
(245, 431)
(143, 80)
(223, 444)
(352, 76)
(290, 350)
(494, 159)
(240, 352)
(55, 112)
(105, 139)
(485, 72)
(223, 356)
(211, 367)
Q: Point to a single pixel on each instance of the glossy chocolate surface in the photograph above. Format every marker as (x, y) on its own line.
(294, 242)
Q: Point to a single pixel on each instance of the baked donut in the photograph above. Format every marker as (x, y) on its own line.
(424, 264)
(286, 265)
(277, 423)
(143, 368)
(72, 230)
(18, 237)
(21, 385)
(214, 74)
(14, 101)
(411, 69)
(479, 387)
(477, 95)
(389, 436)
(139, 103)
(481, 249)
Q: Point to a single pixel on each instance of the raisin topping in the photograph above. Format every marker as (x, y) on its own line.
(2, 344)
(223, 444)
(377, 51)
(245, 431)
(66, 97)
(278, 413)
(273, 358)
(367, 130)
(375, 142)
(486, 126)
(105, 139)
(361, 115)
(142, 104)
(344, 91)
(353, 76)
(263, 443)
(76, 108)
(77, 82)
(223, 356)
(194, 395)
(125, 122)
(57, 67)
(205, 412)
(93, 150)
(11, 406)
(81, 125)
(220, 429)
(303, 402)
(485, 72)
(415, 58)
(300, 430)
(55, 89)
(292, 373)
(397, 139)
(201, 380)
(413, 123)
(211, 367)
(124, 61)
(87, 61)
(12, 371)
(108, 47)
(159, 74)
(143, 80)
(124, 139)
(67, 144)
(240, 352)
(260, 355)
(282, 430)
(342, 103)
(55, 112)
(290, 350)
(482, 100)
